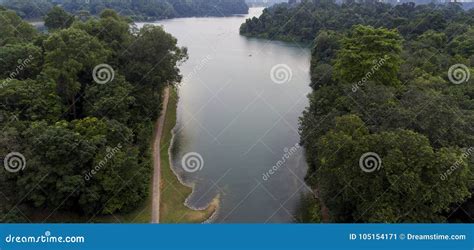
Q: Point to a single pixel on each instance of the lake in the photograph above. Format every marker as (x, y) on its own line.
(240, 100)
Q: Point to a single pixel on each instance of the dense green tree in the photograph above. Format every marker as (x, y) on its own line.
(410, 99)
(304, 21)
(326, 45)
(14, 30)
(27, 8)
(463, 44)
(111, 29)
(151, 66)
(159, 70)
(402, 190)
(69, 54)
(31, 100)
(367, 50)
(84, 142)
(309, 210)
(422, 58)
(161, 9)
(20, 61)
(57, 154)
(136, 9)
(88, 147)
(57, 18)
(112, 100)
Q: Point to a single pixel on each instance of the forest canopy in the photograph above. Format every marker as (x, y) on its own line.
(76, 105)
(136, 9)
(304, 21)
(393, 90)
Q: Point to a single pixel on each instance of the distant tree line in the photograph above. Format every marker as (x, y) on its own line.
(264, 3)
(395, 84)
(304, 21)
(137, 9)
(79, 104)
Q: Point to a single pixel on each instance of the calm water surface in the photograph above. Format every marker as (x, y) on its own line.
(239, 120)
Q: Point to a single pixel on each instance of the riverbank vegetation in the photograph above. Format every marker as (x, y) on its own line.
(78, 107)
(388, 133)
(304, 21)
(138, 10)
(173, 192)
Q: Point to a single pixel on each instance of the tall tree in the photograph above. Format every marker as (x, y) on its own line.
(14, 30)
(57, 18)
(367, 50)
(70, 56)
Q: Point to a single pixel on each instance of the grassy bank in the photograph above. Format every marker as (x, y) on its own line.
(173, 193)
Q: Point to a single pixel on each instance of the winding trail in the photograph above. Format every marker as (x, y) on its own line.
(155, 211)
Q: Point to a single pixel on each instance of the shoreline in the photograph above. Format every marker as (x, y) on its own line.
(174, 208)
(189, 185)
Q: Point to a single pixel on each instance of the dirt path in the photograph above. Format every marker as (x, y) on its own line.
(155, 211)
